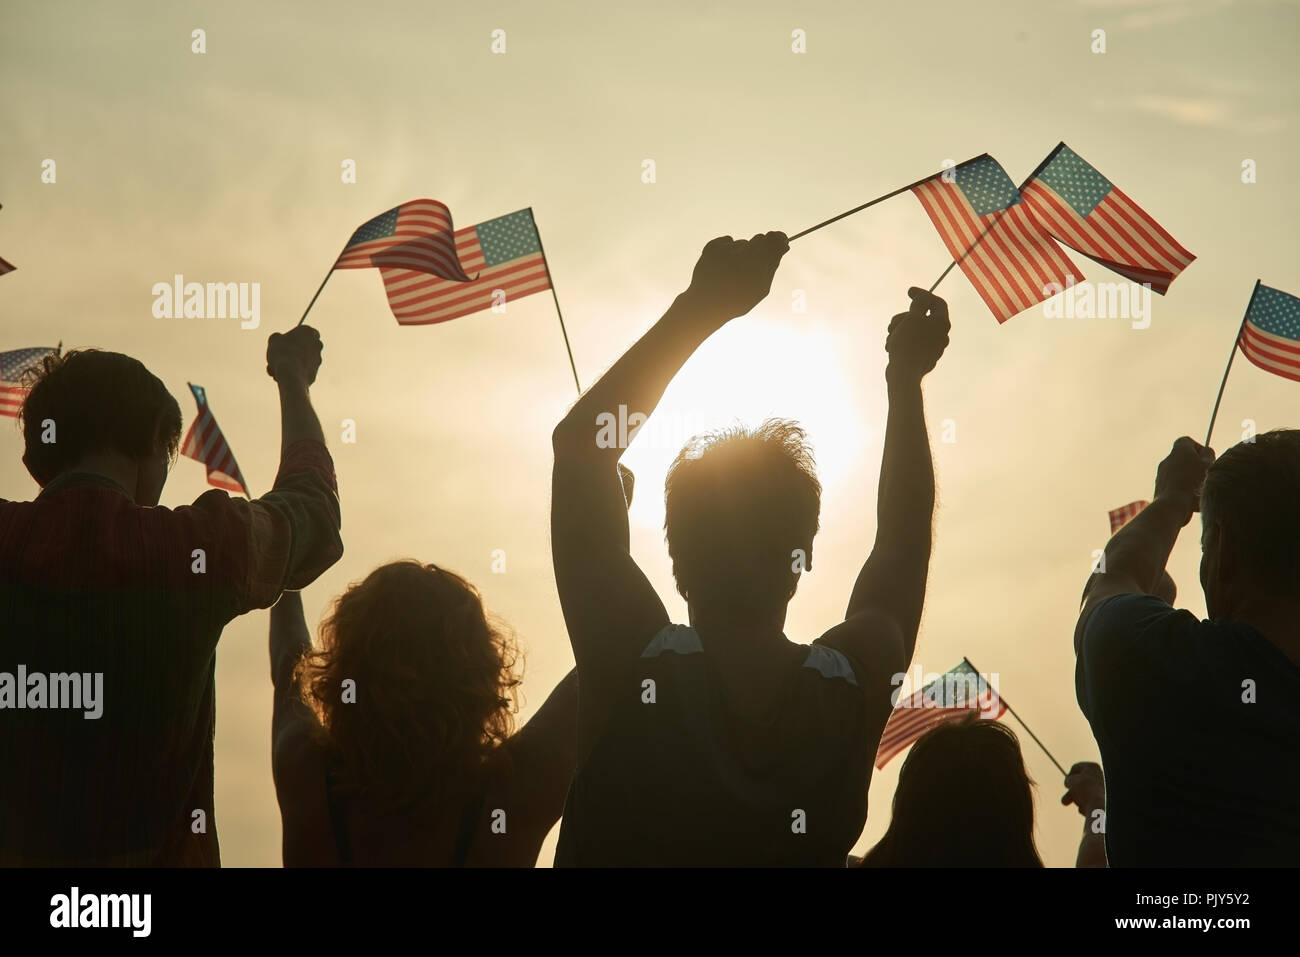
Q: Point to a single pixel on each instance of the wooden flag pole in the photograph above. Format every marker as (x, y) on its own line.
(558, 312)
(1235, 343)
(878, 199)
(1012, 712)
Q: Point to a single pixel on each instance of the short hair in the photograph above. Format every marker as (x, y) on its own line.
(738, 502)
(98, 401)
(963, 799)
(1250, 491)
(436, 684)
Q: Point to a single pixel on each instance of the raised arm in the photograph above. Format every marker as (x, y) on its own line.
(884, 612)
(298, 762)
(292, 360)
(289, 641)
(1086, 790)
(543, 758)
(1135, 557)
(609, 607)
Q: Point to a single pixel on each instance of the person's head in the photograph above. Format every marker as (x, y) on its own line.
(1250, 525)
(433, 678)
(964, 799)
(742, 508)
(88, 406)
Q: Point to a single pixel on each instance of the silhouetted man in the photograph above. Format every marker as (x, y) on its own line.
(1199, 721)
(722, 742)
(107, 597)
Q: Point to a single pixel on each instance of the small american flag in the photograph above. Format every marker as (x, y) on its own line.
(1119, 517)
(415, 236)
(14, 367)
(507, 251)
(1270, 334)
(205, 443)
(6, 267)
(1004, 253)
(951, 695)
(1084, 210)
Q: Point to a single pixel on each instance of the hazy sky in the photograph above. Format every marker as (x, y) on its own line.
(225, 166)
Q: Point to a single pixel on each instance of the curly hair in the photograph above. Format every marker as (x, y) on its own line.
(98, 400)
(738, 503)
(435, 684)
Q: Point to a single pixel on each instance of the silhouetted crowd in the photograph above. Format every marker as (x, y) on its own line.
(718, 742)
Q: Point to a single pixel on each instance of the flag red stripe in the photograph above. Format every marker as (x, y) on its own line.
(989, 253)
(1270, 341)
(1180, 254)
(994, 297)
(419, 287)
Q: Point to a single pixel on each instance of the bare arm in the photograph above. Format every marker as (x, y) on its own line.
(298, 764)
(289, 641)
(1135, 557)
(543, 758)
(887, 599)
(1086, 789)
(610, 609)
(292, 359)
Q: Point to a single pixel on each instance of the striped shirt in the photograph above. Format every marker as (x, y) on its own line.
(91, 583)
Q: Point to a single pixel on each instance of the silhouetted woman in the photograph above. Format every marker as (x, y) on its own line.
(392, 741)
(963, 799)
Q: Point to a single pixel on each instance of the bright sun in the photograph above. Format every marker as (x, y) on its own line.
(751, 370)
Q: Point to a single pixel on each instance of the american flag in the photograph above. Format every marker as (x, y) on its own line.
(951, 695)
(13, 368)
(6, 267)
(415, 236)
(205, 443)
(1005, 254)
(1270, 334)
(1119, 517)
(1084, 210)
(508, 254)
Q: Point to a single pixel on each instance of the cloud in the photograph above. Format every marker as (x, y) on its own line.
(1214, 113)
(1138, 14)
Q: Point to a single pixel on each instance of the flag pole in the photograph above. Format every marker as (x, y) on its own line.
(558, 312)
(1235, 343)
(1012, 711)
(878, 199)
(1037, 169)
(956, 262)
(317, 296)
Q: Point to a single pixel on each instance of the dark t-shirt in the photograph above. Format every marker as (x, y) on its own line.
(1198, 723)
(683, 781)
